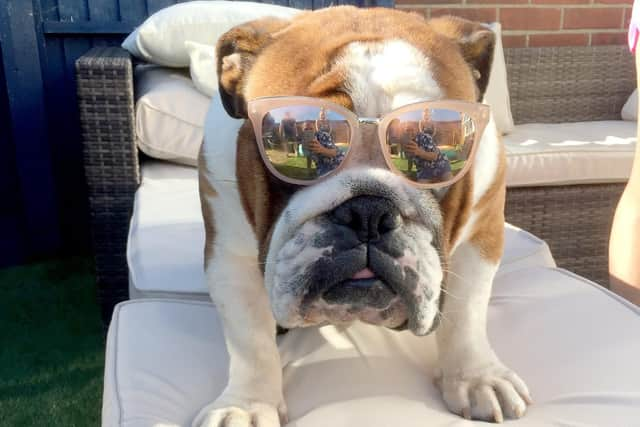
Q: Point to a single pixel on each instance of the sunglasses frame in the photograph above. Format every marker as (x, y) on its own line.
(259, 107)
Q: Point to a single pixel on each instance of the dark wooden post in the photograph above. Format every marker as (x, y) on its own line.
(21, 43)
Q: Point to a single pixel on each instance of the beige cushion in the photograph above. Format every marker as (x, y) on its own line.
(573, 342)
(497, 93)
(170, 114)
(166, 237)
(630, 108)
(160, 39)
(570, 153)
(165, 249)
(202, 67)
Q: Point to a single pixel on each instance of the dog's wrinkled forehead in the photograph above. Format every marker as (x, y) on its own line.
(369, 60)
(381, 76)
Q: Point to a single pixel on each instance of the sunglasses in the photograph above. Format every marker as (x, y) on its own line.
(304, 140)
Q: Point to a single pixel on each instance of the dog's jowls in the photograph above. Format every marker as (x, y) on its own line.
(275, 253)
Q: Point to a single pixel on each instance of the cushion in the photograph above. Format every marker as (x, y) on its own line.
(202, 67)
(166, 237)
(572, 341)
(160, 39)
(523, 250)
(170, 114)
(570, 153)
(630, 108)
(497, 93)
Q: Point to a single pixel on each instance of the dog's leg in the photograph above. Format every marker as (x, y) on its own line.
(253, 395)
(473, 381)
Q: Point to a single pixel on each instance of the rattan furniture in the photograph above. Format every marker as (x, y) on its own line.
(547, 85)
(569, 84)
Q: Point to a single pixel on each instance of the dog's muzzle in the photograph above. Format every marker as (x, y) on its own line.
(368, 266)
(359, 231)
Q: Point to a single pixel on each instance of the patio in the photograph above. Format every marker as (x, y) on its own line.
(95, 219)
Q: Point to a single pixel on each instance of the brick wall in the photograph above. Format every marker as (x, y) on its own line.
(539, 22)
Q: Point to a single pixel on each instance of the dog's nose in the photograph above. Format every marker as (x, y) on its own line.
(368, 216)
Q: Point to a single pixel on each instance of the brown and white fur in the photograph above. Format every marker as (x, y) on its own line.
(267, 242)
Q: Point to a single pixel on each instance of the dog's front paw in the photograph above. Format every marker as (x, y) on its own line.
(250, 414)
(489, 393)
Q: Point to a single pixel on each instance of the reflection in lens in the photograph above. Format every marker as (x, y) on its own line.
(430, 145)
(305, 142)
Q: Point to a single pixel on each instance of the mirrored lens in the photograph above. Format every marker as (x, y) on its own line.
(305, 142)
(430, 145)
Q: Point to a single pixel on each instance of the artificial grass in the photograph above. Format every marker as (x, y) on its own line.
(51, 345)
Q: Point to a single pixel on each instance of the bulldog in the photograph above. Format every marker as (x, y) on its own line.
(369, 186)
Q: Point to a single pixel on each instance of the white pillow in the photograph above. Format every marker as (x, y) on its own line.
(160, 39)
(630, 108)
(202, 67)
(170, 114)
(497, 93)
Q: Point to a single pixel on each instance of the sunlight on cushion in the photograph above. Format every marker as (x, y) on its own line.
(570, 153)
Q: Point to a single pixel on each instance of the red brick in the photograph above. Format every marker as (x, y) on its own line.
(514, 41)
(496, 1)
(608, 17)
(627, 18)
(613, 1)
(608, 38)
(530, 18)
(484, 14)
(559, 2)
(538, 40)
(426, 2)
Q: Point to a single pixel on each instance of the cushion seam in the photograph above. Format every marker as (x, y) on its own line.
(156, 151)
(115, 368)
(167, 300)
(577, 152)
(157, 110)
(132, 274)
(150, 292)
(565, 182)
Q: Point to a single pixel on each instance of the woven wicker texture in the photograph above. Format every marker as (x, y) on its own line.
(105, 96)
(575, 220)
(569, 84)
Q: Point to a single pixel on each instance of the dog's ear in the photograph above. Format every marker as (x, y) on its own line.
(236, 52)
(476, 41)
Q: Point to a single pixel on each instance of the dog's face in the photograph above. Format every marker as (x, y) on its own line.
(363, 244)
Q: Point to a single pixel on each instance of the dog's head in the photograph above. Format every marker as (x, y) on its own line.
(362, 244)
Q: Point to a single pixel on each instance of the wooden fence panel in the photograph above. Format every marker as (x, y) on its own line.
(11, 224)
(21, 49)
